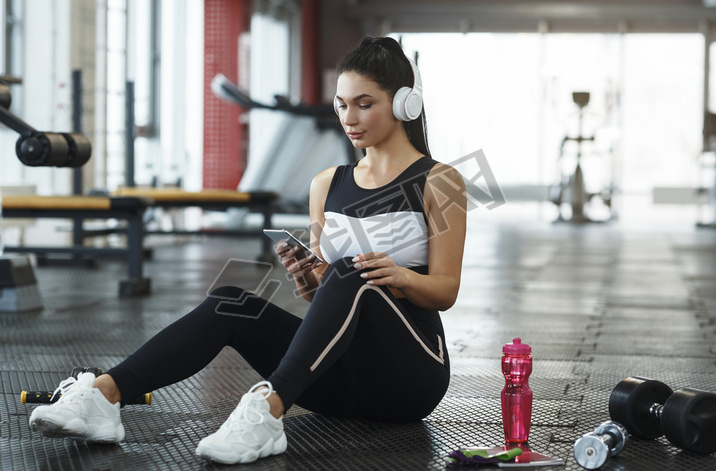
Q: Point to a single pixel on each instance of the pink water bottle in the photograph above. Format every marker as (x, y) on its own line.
(517, 395)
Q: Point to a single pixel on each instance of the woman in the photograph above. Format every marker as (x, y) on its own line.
(371, 344)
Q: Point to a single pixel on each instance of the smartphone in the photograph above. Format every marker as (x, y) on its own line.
(277, 235)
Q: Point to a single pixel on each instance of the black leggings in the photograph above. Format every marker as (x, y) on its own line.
(359, 351)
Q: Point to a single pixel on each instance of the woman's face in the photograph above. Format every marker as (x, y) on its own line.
(365, 110)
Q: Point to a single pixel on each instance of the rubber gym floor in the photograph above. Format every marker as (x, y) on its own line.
(597, 303)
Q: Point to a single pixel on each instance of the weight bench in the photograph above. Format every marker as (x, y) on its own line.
(217, 200)
(130, 209)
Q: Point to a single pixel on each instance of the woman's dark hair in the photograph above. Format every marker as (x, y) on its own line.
(383, 61)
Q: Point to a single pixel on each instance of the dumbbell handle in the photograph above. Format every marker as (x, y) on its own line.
(593, 449)
(46, 397)
(656, 410)
(609, 439)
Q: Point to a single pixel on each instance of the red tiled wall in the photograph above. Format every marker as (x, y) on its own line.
(225, 139)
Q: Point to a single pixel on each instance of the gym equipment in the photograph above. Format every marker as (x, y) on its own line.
(46, 397)
(308, 140)
(5, 93)
(129, 209)
(18, 285)
(43, 149)
(707, 166)
(649, 409)
(257, 202)
(593, 449)
(572, 187)
(5, 96)
(49, 149)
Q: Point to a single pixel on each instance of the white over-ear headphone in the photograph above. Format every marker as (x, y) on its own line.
(407, 102)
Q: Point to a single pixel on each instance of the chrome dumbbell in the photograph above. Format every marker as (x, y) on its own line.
(593, 449)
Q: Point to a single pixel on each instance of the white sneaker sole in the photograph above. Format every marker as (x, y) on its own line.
(248, 456)
(106, 434)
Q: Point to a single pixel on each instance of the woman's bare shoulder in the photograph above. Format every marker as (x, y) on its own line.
(443, 173)
(325, 175)
(322, 181)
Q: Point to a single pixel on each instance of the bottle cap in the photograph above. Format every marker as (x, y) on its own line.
(517, 347)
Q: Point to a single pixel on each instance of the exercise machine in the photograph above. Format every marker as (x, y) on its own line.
(707, 167)
(308, 140)
(18, 285)
(572, 189)
(42, 149)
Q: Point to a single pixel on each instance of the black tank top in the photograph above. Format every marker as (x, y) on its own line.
(388, 219)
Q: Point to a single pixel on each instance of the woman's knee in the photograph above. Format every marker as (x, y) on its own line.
(238, 302)
(222, 297)
(343, 268)
(228, 293)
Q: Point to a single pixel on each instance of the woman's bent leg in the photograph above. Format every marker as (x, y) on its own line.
(185, 347)
(352, 333)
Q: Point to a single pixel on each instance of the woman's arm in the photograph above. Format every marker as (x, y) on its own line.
(307, 273)
(446, 207)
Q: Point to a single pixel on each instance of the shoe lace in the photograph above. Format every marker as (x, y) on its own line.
(64, 386)
(245, 413)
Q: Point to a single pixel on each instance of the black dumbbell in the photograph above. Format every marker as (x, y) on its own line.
(650, 409)
(593, 449)
(46, 397)
(86, 369)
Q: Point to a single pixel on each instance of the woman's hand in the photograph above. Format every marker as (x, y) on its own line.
(296, 267)
(381, 270)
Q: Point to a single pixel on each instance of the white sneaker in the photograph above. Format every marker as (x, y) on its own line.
(250, 432)
(82, 413)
